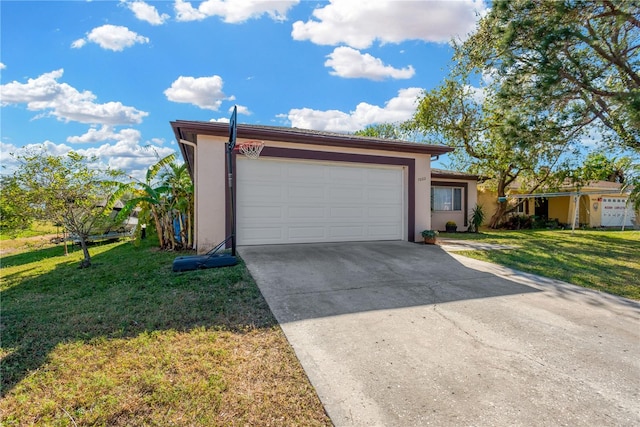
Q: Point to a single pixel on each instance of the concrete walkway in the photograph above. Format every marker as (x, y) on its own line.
(454, 245)
(400, 334)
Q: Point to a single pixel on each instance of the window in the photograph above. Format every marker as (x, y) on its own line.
(446, 198)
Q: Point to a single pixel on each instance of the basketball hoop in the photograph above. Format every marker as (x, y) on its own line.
(251, 149)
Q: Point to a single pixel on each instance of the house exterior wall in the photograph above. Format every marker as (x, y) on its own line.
(469, 200)
(560, 209)
(423, 219)
(489, 202)
(210, 193)
(211, 213)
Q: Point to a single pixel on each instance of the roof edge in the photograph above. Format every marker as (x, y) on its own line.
(187, 130)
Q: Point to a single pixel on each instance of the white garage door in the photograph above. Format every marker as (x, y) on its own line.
(281, 201)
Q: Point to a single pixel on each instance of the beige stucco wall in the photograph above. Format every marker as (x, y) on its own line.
(211, 186)
(440, 218)
(423, 220)
(210, 191)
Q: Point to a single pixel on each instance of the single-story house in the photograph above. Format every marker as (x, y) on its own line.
(599, 204)
(453, 197)
(309, 186)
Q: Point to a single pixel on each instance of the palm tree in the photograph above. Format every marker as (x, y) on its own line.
(166, 195)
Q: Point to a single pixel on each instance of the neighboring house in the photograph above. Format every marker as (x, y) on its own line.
(453, 196)
(599, 204)
(310, 186)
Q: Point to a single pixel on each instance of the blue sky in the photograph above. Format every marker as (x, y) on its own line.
(105, 78)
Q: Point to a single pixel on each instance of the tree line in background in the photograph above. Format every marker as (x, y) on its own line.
(89, 201)
(525, 92)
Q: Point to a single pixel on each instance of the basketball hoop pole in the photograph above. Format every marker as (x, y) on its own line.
(230, 146)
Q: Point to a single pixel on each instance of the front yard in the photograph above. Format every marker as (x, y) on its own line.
(128, 342)
(607, 261)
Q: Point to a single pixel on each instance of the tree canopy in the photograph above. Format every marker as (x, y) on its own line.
(69, 190)
(582, 56)
(533, 81)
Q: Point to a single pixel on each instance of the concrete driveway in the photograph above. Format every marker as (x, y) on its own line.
(401, 334)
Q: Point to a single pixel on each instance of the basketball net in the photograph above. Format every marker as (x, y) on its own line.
(251, 149)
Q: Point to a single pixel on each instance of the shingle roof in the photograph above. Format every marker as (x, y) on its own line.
(441, 173)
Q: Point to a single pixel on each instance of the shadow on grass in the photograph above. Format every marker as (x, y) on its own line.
(604, 266)
(127, 291)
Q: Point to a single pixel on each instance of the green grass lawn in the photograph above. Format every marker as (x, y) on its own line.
(38, 228)
(607, 261)
(128, 342)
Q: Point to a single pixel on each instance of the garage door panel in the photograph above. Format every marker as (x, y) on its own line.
(306, 212)
(264, 191)
(261, 234)
(304, 234)
(383, 211)
(280, 201)
(383, 195)
(298, 191)
(297, 171)
(264, 172)
(384, 177)
(344, 232)
(346, 212)
(261, 212)
(346, 193)
(348, 176)
(384, 231)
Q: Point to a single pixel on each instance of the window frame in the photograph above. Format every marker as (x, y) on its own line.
(454, 203)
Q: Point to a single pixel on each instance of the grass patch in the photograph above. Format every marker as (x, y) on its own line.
(38, 228)
(129, 342)
(607, 261)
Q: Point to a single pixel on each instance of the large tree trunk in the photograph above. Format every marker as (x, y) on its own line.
(86, 262)
(496, 219)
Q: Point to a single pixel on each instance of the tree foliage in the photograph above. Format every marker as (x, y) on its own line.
(14, 209)
(532, 81)
(583, 56)
(68, 190)
(166, 196)
(598, 167)
(503, 144)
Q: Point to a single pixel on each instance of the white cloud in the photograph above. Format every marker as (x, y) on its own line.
(234, 11)
(9, 151)
(111, 37)
(66, 103)
(359, 24)
(7, 162)
(2, 66)
(397, 109)
(127, 154)
(351, 63)
(205, 92)
(242, 109)
(145, 12)
(106, 133)
(77, 44)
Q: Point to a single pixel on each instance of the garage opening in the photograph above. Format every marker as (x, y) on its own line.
(291, 201)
